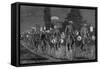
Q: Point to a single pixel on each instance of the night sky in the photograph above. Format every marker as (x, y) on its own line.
(31, 15)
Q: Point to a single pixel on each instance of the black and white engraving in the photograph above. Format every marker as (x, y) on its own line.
(54, 34)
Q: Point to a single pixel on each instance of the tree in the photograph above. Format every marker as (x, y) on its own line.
(47, 18)
(75, 17)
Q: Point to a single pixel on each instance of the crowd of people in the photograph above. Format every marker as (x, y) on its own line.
(54, 38)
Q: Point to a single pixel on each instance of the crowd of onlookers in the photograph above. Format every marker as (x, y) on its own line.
(54, 38)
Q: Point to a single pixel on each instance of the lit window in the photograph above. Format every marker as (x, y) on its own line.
(91, 28)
